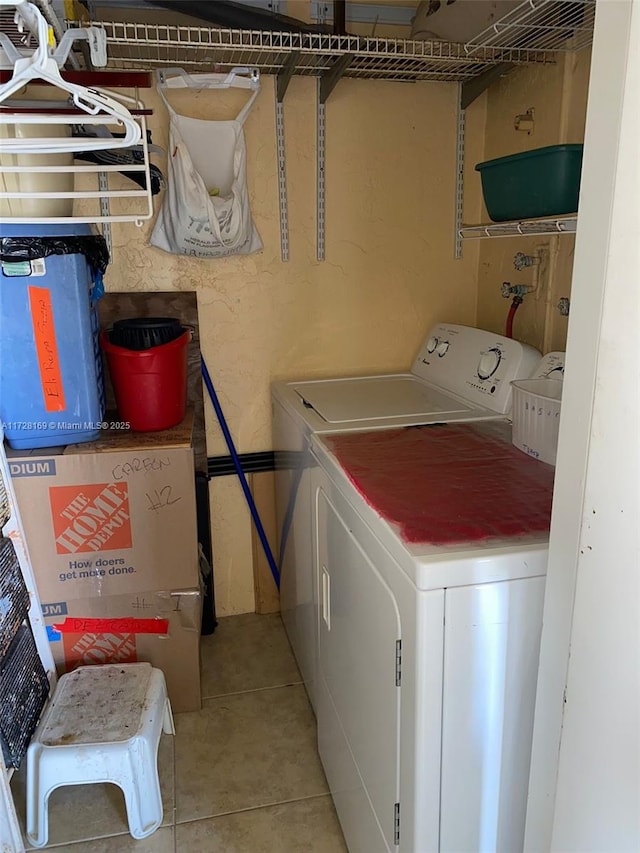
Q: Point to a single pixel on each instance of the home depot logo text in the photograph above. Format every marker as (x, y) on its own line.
(86, 649)
(94, 517)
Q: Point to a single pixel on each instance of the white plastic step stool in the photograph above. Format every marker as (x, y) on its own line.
(103, 724)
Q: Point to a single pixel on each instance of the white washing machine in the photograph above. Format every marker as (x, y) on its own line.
(431, 554)
(459, 374)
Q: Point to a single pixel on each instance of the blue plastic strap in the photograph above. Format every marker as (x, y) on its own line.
(97, 290)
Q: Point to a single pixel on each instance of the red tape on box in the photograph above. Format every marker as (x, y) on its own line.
(126, 625)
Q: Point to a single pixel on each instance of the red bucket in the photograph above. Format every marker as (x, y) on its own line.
(150, 385)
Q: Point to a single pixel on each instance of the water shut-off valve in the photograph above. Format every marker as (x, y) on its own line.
(519, 290)
(521, 261)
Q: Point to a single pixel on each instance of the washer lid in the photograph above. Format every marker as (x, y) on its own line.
(378, 398)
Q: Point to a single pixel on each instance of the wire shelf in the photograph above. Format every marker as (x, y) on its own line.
(530, 227)
(541, 25)
(531, 33)
(10, 29)
(24, 40)
(156, 45)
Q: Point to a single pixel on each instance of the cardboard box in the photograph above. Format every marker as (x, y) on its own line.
(160, 627)
(105, 522)
(109, 518)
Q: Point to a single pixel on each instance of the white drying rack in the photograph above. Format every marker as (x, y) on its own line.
(32, 157)
(91, 203)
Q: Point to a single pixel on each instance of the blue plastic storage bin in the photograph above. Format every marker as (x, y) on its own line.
(51, 382)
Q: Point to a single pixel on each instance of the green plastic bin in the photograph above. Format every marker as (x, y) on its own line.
(533, 184)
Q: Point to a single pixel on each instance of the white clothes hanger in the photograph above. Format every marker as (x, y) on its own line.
(98, 106)
(95, 36)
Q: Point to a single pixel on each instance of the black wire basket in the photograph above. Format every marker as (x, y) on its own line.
(24, 688)
(5, 508)
(14, 597)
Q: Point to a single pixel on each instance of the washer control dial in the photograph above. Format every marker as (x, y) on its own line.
(432, 343)
(489, 362)
(442, 348)
(555, 373)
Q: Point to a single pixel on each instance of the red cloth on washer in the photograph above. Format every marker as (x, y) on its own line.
(448, 484)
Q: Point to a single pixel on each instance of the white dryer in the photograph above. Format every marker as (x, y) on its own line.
(459, 374)
(431, 554)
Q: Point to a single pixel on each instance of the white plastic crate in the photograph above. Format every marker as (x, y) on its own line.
(536, 417)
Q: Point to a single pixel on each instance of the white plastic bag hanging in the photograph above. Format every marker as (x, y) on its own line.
(205, 211)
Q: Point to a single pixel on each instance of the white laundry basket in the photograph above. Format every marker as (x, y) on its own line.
(536, 417)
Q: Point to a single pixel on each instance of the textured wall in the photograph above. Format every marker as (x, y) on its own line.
(388, 275)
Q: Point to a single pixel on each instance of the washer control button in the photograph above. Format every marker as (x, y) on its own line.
(442, 348)
(432, 343)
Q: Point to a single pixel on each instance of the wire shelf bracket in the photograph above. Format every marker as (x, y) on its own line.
(326, 84)
(460, 129)
(282, 80)
(320, 173)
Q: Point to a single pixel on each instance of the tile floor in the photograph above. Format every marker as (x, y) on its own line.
(241, 776)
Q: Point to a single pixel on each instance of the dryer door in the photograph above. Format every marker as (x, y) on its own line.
(358, 700)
